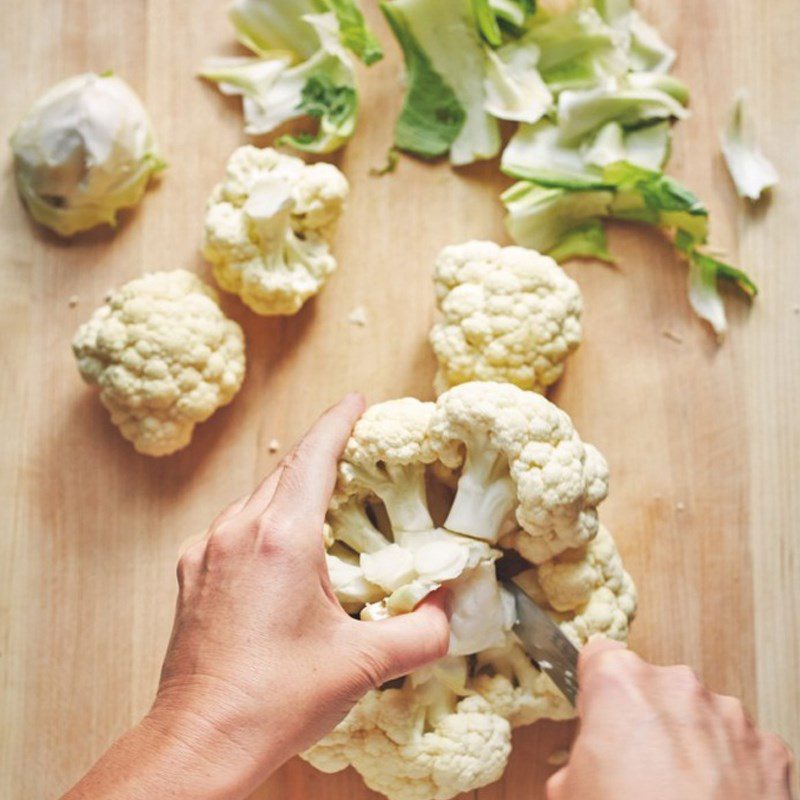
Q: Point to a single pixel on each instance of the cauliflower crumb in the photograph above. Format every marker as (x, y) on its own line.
(73, 301)
(273, 446)
(558, 758)
(358, 316)
(164, 356)
(268, 228)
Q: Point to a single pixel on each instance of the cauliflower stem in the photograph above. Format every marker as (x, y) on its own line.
(485, 496)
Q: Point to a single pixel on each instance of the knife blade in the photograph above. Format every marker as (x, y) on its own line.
(545, 643)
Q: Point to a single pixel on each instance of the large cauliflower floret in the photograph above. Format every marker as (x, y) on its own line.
(164, 356)
(523, 455)
(510, 315)
(268, 226)
(419, 742)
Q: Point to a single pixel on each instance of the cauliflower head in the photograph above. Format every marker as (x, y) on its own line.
(164, 356)
(84, 151)
(268, 227)
(427, 492)
(509, 315)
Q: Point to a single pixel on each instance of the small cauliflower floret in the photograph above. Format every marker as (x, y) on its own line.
(386, 455)
(419, 742)
(164, 356)
(591, 590)
(522, 454)
(268, 227)
(507, 679)
(510, 315)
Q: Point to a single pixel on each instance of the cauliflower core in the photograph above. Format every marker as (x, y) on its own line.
(164, 356)
(268, 228)
(509, 314)
(394, 533)
(83, 152)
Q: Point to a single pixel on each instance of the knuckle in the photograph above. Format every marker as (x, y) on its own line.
(686, 679)
(189, 562)
(777, 753)
(614, 668)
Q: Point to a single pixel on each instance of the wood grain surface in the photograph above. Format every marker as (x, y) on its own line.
(703, 440)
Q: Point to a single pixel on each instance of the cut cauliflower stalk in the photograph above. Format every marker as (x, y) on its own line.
(509, 314)
(268, 228)
(164, 356)
(520, 476)
(84, 151)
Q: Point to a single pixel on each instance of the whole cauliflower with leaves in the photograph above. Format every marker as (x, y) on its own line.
(268, 228)
(164, 356)
(427, 492)
(84, 151)
(509, 314)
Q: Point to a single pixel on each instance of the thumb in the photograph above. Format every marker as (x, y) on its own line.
(410, 641)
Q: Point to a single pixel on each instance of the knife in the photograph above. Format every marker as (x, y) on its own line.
(545, 643)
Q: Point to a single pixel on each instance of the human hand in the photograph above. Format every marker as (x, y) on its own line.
(658, 733)
(263, 661)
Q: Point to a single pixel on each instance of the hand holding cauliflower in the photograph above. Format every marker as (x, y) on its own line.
(522, 477)
(164, 356)
(510, 314)
(84, 151)
(268, 228)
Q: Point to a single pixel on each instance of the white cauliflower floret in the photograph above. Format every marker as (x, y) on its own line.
(164, 356)
(268, 226)
(523, 455)
(419, 742)
(386, 455)
(510, 315)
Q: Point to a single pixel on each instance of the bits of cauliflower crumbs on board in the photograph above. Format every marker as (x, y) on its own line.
(73, 301)
(358, 316)
(672, 336)
(680, 506)
(273, 446)
(558, 758)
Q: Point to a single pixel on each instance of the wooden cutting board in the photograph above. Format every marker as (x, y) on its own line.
(703, 440)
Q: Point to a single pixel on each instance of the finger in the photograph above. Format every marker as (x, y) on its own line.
(309, 474)
(410, 641)
(257, 503)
